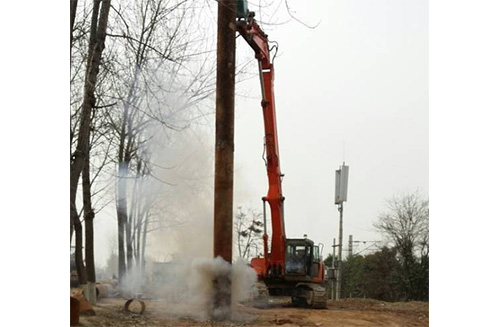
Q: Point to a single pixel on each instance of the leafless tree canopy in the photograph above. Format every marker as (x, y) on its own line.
(249, 230)
(406, 223)
(150, 81)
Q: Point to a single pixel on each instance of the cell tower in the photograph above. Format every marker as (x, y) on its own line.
(341, 176)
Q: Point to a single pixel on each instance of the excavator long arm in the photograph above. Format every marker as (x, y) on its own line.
(271, 268)
(258, 41)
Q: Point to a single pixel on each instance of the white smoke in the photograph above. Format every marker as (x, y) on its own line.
(181, 269)
(133, 282)
(187, 286)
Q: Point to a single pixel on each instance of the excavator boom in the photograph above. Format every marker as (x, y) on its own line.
(293, 266)
(258, 41)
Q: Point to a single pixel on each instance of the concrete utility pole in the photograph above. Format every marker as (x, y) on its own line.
(341, 176)
(350, 246)
(224, 153)
(339, 267)
(333, 268)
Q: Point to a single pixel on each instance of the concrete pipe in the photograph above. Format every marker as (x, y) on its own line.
(103, 290)
(129, 302)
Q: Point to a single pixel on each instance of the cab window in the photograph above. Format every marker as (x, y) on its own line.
(316, 253)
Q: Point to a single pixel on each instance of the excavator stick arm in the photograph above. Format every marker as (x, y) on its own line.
(258, 41)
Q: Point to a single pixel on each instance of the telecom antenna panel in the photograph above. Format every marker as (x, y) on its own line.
(341, 176)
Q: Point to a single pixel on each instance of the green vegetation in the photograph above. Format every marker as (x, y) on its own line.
(398, 271)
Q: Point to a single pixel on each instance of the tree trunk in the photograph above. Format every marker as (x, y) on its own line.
(72, 15)
(124, 157)
(88, 213)
(138, 241)
(132, 220)
(80, 267)
(138, 235)
(121, 209)
(96, 47)
(143, 247)
(130, 251)
(73, 214)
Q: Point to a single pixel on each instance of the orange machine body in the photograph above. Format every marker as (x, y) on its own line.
(272, 265)
(275, 260)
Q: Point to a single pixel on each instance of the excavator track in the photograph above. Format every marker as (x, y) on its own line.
(312, 295)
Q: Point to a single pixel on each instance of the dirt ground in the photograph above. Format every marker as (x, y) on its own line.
(276, 312)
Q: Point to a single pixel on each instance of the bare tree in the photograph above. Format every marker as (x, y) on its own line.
(80, 157)
(248, 227)
(406, 222)
(150, 48)
(154, 44)
(406, 225)
(88, 214)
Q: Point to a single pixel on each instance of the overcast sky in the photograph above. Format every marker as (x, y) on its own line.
(353, 89)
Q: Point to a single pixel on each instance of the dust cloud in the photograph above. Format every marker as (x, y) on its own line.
(180, 268)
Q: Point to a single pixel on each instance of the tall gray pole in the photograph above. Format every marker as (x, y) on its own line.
(333, 268)
(339, 269)
(350, 246)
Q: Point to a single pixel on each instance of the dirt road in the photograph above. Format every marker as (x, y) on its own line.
(278, 312)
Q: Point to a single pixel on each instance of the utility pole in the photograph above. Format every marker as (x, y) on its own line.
(333, 270)
(339, 267)
(224, 153)
(350, 246)
(341, 176)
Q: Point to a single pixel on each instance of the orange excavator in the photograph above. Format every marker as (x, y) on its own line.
(293, 266)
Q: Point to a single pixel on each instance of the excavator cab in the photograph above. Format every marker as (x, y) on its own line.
(305, 271)
(302, 259)
(296, 258)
